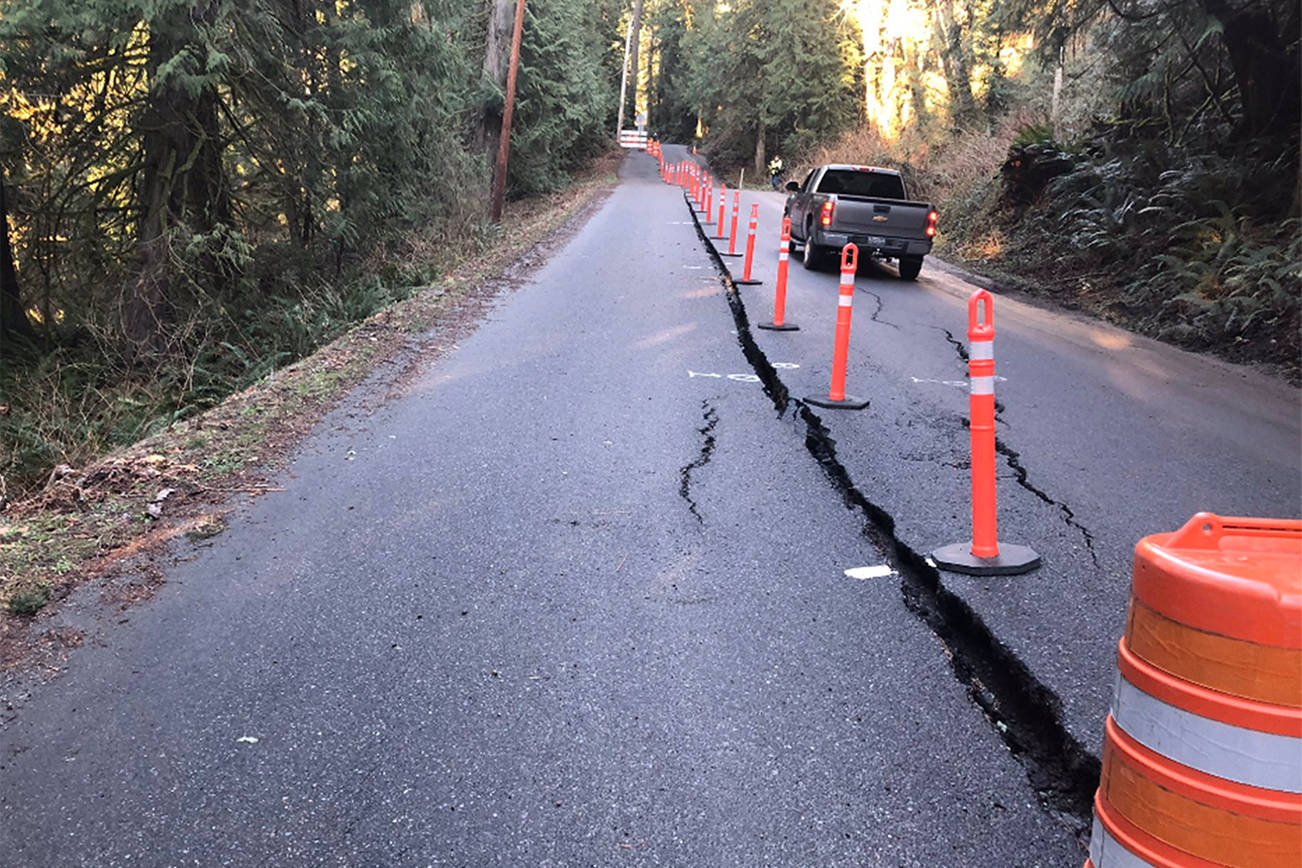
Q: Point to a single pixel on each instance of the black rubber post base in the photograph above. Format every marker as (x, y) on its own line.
(748, 282)
(725, 253)
(849, 402)
(785, 327)
(1013, 560)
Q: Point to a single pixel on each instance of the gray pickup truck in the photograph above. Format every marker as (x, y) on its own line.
(864, 204)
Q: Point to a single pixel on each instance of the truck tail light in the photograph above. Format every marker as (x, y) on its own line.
(826, 217)
(932, 217)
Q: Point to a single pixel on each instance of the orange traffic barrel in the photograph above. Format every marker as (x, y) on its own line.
(1202, 750)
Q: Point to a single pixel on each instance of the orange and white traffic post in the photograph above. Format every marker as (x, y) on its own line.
(1202, 749)
(836, 398)
(983, 556)
(779, 323)
(732, 234)
(709, 199)
(750, 249)
(723, 198)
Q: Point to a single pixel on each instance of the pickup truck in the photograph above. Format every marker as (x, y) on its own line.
(838, 204)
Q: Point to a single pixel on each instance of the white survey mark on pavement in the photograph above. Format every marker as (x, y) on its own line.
(246, 739)
(958, 384)
(878, 572)
(737, 378)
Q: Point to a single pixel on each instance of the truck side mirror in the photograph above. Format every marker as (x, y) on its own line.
(793, 186)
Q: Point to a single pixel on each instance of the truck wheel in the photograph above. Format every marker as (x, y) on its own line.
(813, 254)
(910, 266)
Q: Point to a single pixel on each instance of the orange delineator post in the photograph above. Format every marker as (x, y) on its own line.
(779, 322)
(750, 249)
(709, 199)
(1202, 750)
(836, 396)
(983, 556)
(981, 409)
(723, 198)
(732, 235)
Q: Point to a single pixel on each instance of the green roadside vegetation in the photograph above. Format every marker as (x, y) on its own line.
(178, 482)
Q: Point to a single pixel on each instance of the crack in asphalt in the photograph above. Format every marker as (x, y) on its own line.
(1014, 461)
(955, 343)
(880, 304)
(707, 452)
(1024, 712)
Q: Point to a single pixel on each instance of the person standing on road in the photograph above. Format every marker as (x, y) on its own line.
(775, 171)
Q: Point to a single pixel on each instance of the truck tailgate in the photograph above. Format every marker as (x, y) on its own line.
(884, 217)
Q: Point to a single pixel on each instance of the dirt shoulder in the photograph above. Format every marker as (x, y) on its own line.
(112, 522)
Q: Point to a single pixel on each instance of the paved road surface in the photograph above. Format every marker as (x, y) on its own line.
(567, 601)
(1106, 437)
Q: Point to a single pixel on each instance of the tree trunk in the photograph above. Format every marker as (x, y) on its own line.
(759, 152)
(497, 56)
(1264, 56)
(13, 319)
(954, 61)
(181, 182)
(633, 76)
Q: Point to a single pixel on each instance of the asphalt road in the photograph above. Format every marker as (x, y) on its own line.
(577, 597)
(1106, 437)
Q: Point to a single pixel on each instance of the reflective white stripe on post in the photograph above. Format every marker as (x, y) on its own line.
(1107, 852)
(983, 385)
(782, 256)
(1235, 753)
(845, 301)
(981, 351)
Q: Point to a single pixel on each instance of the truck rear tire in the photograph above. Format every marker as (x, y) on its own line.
(812, 256)
(910, 266)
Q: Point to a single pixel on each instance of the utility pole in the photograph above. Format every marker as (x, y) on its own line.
(504, 141)
(623, 81)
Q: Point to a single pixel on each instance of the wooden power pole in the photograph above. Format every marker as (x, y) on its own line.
(504, 141)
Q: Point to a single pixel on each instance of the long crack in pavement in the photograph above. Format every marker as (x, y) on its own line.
(1025, 713)
(707, 452)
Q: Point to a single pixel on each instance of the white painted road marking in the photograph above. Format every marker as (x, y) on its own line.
(739, 378)
(958, 384)
(878, 572)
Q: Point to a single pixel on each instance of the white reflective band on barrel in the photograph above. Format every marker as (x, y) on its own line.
(1235, 753)
(980, 351)
(983, 386)
(782, 255)
(1107, 852)
(845, 301)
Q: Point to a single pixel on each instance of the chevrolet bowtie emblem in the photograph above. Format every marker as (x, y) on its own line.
(880, 218)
